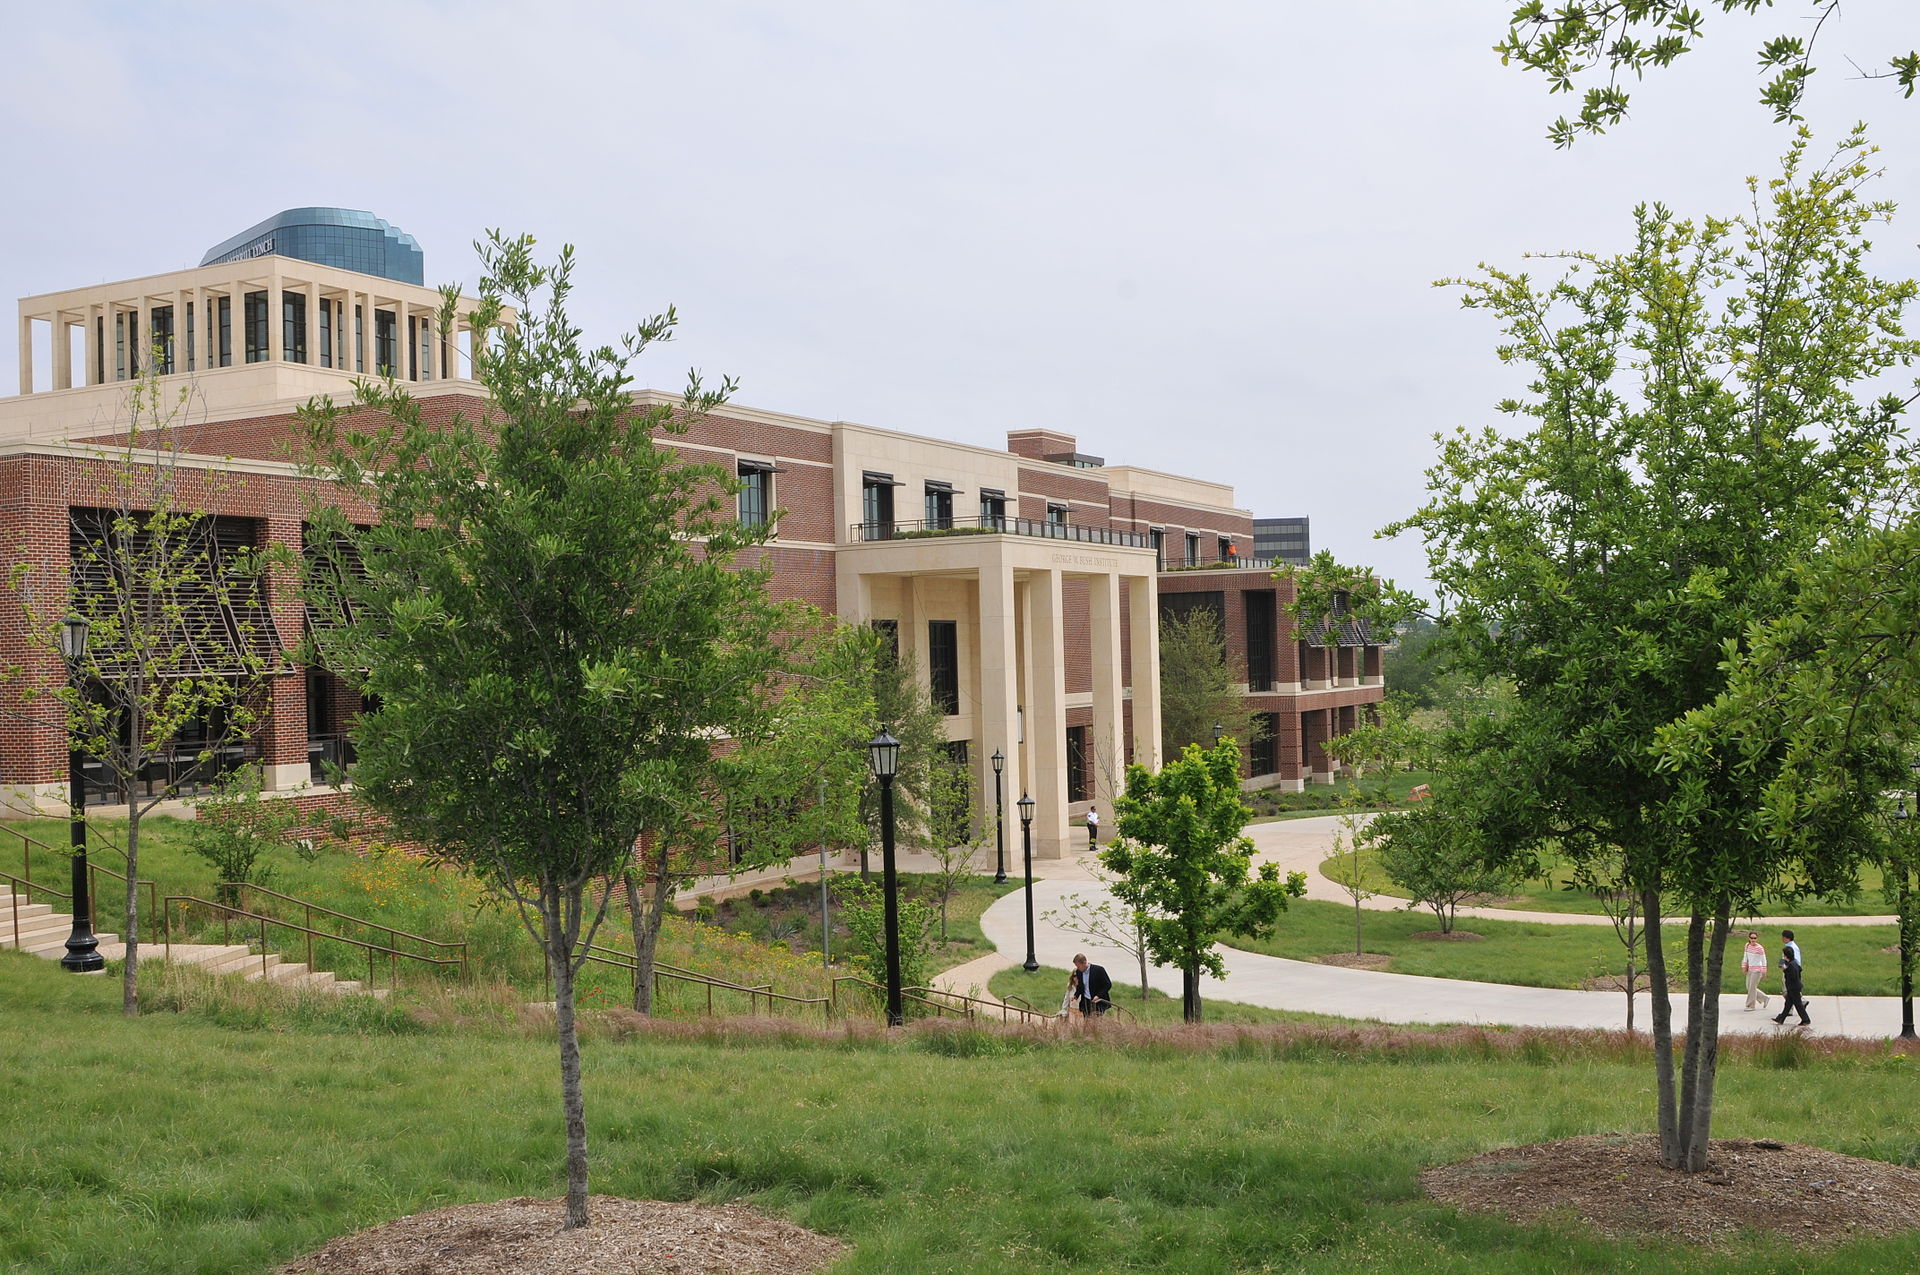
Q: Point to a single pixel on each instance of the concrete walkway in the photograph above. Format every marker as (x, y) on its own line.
(1254, 979)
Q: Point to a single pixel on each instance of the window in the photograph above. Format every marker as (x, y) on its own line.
(1056, 515)
(1226, 550)
(756, 493)
(293, 334)
(225, 355)
(254, 321)
(943, 664)
(876, 505)
(326, 331)
(1159, 538)
(889, 631)
(190, 337)
(386, 343)
(1193, 549)
(1260, 609)
(939, 505)
(359, 339)
(1078, 755)
(163, 339)
(1264, 751)
(993, 508)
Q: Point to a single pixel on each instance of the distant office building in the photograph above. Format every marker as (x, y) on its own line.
(1282, 540)
(343, 238)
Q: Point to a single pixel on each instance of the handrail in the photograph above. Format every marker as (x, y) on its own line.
(393, 935)
(94, 869)
(1002, 1005)
(990, 524)
(662, 969)
(229, 912)
(905, 995)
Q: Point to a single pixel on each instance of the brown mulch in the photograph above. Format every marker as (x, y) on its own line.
(1356, 960)
(1617, 1185)
(625, 1237)
(1448, 936)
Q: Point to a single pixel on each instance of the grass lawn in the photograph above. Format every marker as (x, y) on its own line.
(171, 1144)
(1841, 960)
(1552, 894)
(1376, 792)
(1043, 987)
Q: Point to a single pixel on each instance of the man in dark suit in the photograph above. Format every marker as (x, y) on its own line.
(1096, 989)
(1790, 964)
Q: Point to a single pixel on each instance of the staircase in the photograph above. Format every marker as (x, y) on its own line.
(43, 932)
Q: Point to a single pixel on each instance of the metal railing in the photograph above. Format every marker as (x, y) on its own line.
(1003, 1007)
(450, 951)
(1026, 1006)
(613, 956)
(229, 914)
(94, 872)
(906, 994)
(926, 528)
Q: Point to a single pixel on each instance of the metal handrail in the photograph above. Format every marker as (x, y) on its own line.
(905, 995)
(986, 524)
(241, 887)
(229, 913)
(663, 970)
(1027, 1011)
(93, 872)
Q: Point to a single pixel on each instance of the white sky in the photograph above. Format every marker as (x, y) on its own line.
(1199, 236)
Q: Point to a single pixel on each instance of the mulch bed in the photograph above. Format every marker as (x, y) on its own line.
(1356, 961)
(626, 1237)
(1617, 1186)
(1448, 936)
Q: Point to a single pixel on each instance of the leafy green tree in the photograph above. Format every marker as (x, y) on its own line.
(903, 706)
(1434, 852)
(957, 838)
(1198, 689)
(1413, 665)
(1565, 40)
(236, 827)
(180, 642)
(1106, 921)
(548, 620)
(1182, 864)
(1698, 421)
(862, 910)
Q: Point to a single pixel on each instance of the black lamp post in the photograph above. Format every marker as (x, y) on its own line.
(999, 760)
(1026, 851)
(83, 949)
(883, 754)
(1217, 733)
(1904, 897)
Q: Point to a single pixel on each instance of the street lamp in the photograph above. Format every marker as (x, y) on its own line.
(999, 760)
(883, 755)
(1904, 897)
(1217, 733)
(83, 949)
(1026, 850)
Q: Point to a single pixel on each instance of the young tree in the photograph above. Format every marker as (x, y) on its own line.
(953, 840)
(547, 618)
(1182, 864)
(1198, 692)
(179, 637)
(1696, 430)
(902, 704)
(1433, 852)
(237, 825)
(1604, 875)
(1106, 921)
(1349, 871)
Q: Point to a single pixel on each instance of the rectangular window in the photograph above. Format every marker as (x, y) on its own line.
(1226, 550)
(255, 321)
(326, 332)
(1158, 537)
(1264, 751)
(1056, 515)
(293, 327)
(993, 508)
(225, 355)
(1193, 549)
(359, 340)
(756, 493)
(943, 664)
(99, 351)
(939, 505)
(163, 339)
(192, 343)
(386, 343)
(120, 347)
(1260, 638)
(889, 631)
(876, 506)
(1078, 755)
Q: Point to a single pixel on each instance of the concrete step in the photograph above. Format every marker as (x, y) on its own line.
(277, 971)
(240, 962)
(8, 911)
(29, 930)
(57, 947)
(199, 954)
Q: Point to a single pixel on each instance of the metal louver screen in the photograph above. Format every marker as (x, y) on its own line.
(183, 606)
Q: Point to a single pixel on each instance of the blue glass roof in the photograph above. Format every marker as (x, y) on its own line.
(342, 237)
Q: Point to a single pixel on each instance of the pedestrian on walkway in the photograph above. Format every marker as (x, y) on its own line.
(1096, 987)
(1790, 964)
(1070, 1003)
(1753, 963)
(1093, 828)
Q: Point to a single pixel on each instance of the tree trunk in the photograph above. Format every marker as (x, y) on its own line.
(130, 985)
(1706, 1029)
(646, 927)
(560, 964)
(1190, 994)
(1660, 1001)
(1359, 943)
(1690, 1059)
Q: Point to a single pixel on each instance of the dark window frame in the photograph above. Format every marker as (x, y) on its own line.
(943, 665)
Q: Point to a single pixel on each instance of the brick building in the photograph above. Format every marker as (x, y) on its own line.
(1014, 577)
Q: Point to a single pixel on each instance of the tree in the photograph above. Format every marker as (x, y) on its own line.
(1413, 664)
(1696, 428)
(863, 911)
(236, 826)
(954, 841)
(1106, 921)
(180, 641)
(1182, 864)
(1434, 852)
(1348, 870)
(1565, 39)
(547, 618)
(903, 706)
(1198, 690)
(1604, 875)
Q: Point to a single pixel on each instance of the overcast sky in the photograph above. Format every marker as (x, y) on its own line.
(1199, 236)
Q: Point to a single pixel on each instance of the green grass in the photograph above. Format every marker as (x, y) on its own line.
(1556, 892)
(1375, 792)
(1043, 987)
(172, 1144)
(1842, 960)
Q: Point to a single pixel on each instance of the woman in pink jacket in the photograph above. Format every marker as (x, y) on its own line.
(1753, 963)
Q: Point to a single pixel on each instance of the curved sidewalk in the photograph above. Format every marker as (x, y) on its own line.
(1277, 983)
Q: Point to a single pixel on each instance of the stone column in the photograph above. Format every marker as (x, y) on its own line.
(26, 355)
(1108, 762)
(1143, 605)
(62, 352)
(92, 318)
(402, 339)
(999, 687)
(363, 334)
(1047, 714)
(1317, 729)
(276, 350)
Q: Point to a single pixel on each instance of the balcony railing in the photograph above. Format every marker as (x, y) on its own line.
(929, 528)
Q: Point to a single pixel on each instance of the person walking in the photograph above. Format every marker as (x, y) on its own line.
(1093, 827)
(1070, 1003)
(1790, 965)
(1753, 963)
(1096, 989)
